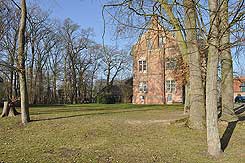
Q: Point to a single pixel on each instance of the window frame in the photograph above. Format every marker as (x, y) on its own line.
(143, 87)
(161, 41)
(170, 63)
(242, 86)
(170, 86)
(142, 66)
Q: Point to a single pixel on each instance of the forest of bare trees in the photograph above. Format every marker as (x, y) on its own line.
(62, 60)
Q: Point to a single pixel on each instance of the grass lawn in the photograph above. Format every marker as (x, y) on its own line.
(122, 133)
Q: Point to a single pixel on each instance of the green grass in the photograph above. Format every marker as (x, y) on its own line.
(122, 133)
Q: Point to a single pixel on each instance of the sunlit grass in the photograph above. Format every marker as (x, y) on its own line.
(107, 133)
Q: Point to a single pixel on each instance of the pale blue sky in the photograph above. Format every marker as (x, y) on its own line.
(86, 13)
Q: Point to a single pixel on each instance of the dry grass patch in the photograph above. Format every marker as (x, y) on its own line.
(100, 133)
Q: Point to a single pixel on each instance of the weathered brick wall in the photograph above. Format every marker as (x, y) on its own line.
(155, 75)
(237, 84)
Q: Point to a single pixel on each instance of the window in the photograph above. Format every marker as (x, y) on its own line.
(170, 63)
(161, 41)
(142, 87)
(142, 66)
(170, 86)
(149, 44)
(242, 87)
(169, 98)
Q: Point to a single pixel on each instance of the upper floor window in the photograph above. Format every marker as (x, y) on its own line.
(242, 87)
(142, 66)
(170, 86)
(170, 63)
(161, 41)
(149, 44)
(143, 87)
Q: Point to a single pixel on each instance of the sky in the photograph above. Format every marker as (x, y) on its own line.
(86, 13)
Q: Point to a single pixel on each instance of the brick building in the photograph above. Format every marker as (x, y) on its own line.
(155, 58)
(239, 86)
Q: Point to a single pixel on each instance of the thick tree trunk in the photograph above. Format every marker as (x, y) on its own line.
(213, 140)
(21, 66)
(226, 65)
(9, 110)
(74, 82)
(6, 109)
(197, 105)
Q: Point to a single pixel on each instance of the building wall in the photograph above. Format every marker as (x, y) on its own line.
(156, 74)
(237, 86)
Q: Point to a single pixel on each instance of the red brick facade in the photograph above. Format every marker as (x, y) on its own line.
(239, 86)
(154, 64)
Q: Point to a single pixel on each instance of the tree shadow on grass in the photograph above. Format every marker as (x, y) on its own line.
(225, 139)
(93, 113)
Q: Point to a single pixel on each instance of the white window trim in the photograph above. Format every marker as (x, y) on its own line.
(143, 87)
(169, 86)
(142, 66)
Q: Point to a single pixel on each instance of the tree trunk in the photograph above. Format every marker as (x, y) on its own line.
(187, 98)
(6, 109)
(227, 91)
(197, 105)
(11, 79)
(21, 65)
(16, 84)
(213, 140)
(181, 43)
(9, 110)
(74, 82)
(55, 88)
(31, 69)
(39, 83)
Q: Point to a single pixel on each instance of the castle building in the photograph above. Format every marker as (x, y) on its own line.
(155, 57)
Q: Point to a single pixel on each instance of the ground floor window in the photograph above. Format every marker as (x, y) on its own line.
(170, 98)
(243, 87)
(170, 86)
(142, 87)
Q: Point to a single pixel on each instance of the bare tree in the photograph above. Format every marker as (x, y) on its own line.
(25, 117)
(114, 62)
(197, 109)
(37, 25)
(76, 41)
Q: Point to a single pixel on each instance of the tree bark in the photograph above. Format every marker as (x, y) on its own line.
(31, 69)
(213, 140)
(21, 65)
(181, 43)
(6, 109)
(197, 105)
(55, 87)
(9, 110)
(187, 97)
(227, 91)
